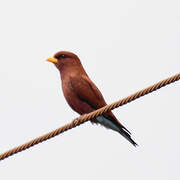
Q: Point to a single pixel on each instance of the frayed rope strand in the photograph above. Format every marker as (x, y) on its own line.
(84, 118)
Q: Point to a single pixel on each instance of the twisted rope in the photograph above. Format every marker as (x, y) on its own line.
(86, 117)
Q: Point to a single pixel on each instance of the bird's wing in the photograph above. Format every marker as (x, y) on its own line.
(87, 92)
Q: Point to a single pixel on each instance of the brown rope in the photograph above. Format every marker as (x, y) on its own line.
(86, 117)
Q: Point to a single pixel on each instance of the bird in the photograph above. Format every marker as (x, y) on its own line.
(82, 94)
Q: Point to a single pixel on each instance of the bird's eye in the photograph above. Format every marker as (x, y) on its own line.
(63, 56)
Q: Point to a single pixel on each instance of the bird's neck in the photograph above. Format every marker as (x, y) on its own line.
(75, 70)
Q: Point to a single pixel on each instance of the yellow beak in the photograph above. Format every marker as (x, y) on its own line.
(52, 59)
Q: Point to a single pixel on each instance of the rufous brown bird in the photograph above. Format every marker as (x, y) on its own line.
(82, 94)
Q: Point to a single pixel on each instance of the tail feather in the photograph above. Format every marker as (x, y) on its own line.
(125, 129)
(127, 136)
(108, 123)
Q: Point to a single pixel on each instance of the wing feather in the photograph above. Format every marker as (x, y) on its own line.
(87, 92)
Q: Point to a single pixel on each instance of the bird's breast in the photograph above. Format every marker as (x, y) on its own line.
(73, 100)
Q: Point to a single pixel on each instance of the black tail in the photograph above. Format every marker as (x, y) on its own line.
(125, 133)
(112, 123)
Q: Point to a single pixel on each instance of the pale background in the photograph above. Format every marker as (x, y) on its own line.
(124, 46)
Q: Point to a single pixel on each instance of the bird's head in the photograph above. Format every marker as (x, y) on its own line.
(64, 59)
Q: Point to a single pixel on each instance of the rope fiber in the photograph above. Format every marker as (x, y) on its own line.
(86, 117)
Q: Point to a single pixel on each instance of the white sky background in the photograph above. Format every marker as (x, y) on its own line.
(124, 46)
